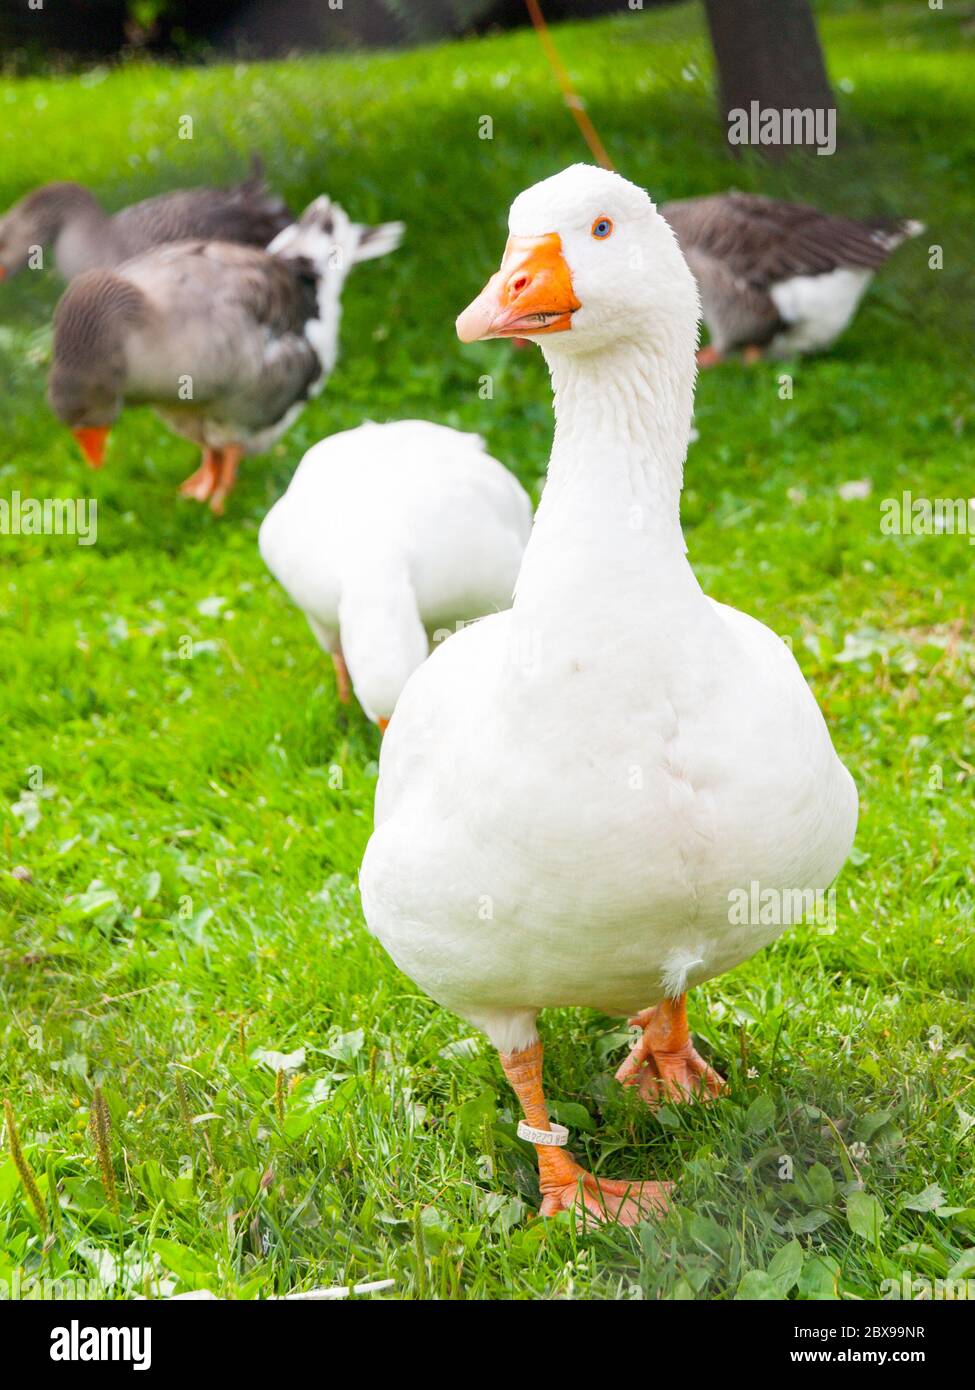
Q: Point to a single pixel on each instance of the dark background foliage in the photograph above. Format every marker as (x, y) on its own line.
(86, 29)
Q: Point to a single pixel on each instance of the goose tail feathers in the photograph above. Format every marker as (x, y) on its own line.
(325, 236)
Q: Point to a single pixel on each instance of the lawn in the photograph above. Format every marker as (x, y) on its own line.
(188, 804)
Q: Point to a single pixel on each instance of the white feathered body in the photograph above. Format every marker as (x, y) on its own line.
(516, 867)
(391, 536)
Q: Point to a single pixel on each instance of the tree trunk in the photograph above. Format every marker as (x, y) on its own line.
(767, 51)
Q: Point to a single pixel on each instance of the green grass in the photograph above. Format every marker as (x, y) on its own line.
(193, 827)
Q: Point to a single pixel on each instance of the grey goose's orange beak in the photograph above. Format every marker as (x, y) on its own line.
(92, 439)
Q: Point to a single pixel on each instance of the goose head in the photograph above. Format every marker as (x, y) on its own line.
(589, 264)
(20, 232)
(37, 220)
(87, 384)
(88, 399)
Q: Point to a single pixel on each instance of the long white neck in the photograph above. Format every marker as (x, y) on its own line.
(609, 519)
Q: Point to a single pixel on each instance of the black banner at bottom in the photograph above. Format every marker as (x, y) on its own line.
(168, 1338)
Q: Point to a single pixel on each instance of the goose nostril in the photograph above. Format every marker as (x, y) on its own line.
(519, 283)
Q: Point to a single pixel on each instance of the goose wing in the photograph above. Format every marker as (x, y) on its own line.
(765, 240)
(248, 213)
(235, 320)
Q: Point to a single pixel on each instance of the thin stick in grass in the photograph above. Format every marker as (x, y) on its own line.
(184, 1105)
(421, 1255)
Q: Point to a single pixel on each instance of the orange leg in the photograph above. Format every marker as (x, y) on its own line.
(200, 485)
(708, 356)
(226, 477)
(752, 354)
(663, 1063)
(565, 1185)
(382, 724)
(342, 683)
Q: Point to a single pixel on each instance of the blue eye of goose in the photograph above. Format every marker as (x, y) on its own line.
(602, 228)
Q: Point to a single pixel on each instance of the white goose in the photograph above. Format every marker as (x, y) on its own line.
(389, 535)
(572, 793)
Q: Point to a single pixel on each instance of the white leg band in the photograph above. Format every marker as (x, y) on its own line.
(557, 1136)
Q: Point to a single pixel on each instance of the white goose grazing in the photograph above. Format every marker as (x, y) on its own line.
(389, 533)
(570, 791)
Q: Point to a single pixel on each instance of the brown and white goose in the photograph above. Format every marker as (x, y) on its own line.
(227, 342)
(775, 277)
(84, 236)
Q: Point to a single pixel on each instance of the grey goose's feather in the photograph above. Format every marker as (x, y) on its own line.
(235, 321)
(779, 274)
(88, 323)
(764, 240)
(246, 213)
(85, 237)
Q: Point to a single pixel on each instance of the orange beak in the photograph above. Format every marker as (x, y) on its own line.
(531, 293)
(92, 440)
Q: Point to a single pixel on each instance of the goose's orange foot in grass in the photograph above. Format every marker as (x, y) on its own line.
(213, 481)
(565, 1185)
(200, 485)
(708, 356)
(663, 1063)
(752, 354)
(228, 461)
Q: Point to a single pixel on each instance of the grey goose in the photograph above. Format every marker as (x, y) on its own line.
(69, 218)
(776, 277)
(227, 342)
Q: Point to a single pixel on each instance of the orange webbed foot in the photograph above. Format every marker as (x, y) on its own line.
(708, 356)
(663, 1063)
(600, 1200)
(565, 1185)
(228, 463)
(200, 485)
